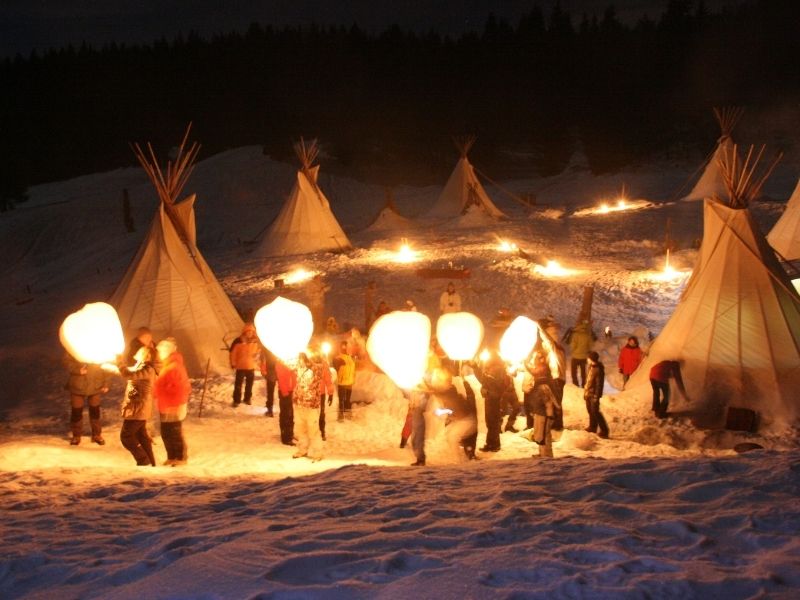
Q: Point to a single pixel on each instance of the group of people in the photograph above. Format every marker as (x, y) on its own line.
(155, 374)
(305, 386)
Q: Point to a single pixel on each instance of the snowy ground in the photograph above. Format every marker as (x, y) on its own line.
(662, 509)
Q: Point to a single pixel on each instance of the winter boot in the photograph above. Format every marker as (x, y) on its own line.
(76, 426)
(97, 429)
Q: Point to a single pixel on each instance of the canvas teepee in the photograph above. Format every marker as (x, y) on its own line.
(711, 183)
(306, 223)
(169, 287)
(785, 234)
(736, 329)
(463, 192)
(389, 218)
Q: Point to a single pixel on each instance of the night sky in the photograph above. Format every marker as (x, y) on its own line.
(26, 25)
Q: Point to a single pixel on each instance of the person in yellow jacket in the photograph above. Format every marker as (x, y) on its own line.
(244, 357)
(345, 366)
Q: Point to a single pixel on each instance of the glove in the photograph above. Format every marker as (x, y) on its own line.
(330, 400)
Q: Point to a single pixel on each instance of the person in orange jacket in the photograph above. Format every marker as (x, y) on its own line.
(244, 358)
(171, 390)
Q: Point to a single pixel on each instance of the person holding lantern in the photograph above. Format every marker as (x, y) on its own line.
(495, 382)
(543, 404)
(86, 383)
(171, 390)
(140, 369)
(306, 402)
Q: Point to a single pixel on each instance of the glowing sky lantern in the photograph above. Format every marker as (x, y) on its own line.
(284, 327)
(93, 334)
(398, 343)
(460, 334)
(519, 339)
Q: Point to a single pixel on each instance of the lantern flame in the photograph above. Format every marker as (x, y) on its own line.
(93, 335)
(484, 355)
(398, 344)
(298, 275)
(284, 327)
(326, 348)
(519, 339)
(553, 269)
(406, 254)
(459, 334)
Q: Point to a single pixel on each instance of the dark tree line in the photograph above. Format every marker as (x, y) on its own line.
(385, 105)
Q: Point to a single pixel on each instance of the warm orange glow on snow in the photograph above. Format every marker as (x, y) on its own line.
(669, 273)
(93, 334)
(459, 334)
(298, 275)
(506, 246)
(554, 269)
(284, 327)
(519, 339)
(398, 344)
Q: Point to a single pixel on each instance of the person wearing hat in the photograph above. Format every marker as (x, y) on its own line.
(592, 391)
(244, 358)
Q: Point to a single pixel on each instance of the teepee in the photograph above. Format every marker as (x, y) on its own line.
(736, 329)
(169, 287)
(389, 218)
(711, 183)
(306, 223)
(785, 234)
(463, 192)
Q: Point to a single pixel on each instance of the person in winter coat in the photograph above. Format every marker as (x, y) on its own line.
(592, 393)
(267, 367)
(85, 385)
(418, 405)
(580, 343)
(325, 389)
(287, 379)
(345, 366)
(543, 403)
(305, 399)
(171, 390)
(456, 396)
(629, 358)
(244, 356)
(137, 404)
(557, 359)
(495, 382)
(660, 374)
(450, 300)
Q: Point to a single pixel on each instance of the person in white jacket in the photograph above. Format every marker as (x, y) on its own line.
(450, 300)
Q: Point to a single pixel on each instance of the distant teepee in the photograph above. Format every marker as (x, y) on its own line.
(169, 287)
(785, 234)
(736, 329)
(389, 218)
(463, 192)
(306, 223)
(711, 183)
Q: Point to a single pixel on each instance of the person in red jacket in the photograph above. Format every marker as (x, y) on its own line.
(660, 375)
(171, 390)
(629, 358)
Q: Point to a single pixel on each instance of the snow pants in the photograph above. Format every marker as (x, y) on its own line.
(309, 439)
(136, 440)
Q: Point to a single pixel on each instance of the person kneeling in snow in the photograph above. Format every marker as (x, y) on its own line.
(172, 389)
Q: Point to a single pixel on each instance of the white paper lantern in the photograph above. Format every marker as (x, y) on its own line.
(284, 327)
(459, 334)
(519, 339)
(93, 334)
(398, 343)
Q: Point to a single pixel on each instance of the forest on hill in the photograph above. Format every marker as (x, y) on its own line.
(385, 105)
